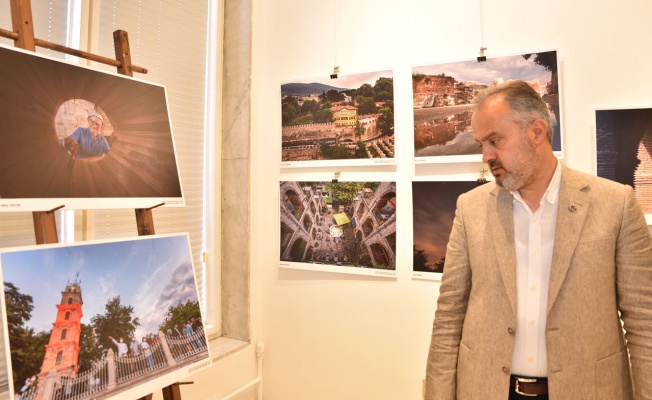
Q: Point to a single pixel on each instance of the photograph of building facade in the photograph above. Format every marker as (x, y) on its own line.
(442, 96)
(349, 224)
(351, 117)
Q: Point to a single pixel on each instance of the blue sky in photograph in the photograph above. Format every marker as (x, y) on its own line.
(511, 67)
(150, 274)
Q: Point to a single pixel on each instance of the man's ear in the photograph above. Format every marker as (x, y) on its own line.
(540, 129)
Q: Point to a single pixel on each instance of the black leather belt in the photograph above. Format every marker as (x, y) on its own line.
(528, 386)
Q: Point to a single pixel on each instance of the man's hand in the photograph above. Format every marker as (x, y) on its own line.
(69, 142)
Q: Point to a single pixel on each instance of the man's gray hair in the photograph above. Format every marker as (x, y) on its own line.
(525, 103)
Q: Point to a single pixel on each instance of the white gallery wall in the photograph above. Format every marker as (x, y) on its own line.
(331, 336)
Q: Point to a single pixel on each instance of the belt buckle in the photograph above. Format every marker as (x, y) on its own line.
(524, 380)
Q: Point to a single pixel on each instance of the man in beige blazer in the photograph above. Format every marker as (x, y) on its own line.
(528, 309)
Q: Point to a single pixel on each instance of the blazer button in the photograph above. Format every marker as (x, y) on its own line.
(510, 330)
(506, 370)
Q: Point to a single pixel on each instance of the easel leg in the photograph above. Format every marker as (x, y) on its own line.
(45, 227)
(172, 392)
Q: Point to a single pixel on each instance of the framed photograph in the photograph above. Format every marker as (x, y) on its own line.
(442, 95)
(110, 319)
(623, 146)
(79, 137)
(348, 120)
(432, 221)
(344, 227)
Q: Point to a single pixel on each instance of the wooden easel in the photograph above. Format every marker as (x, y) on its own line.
(45, 228)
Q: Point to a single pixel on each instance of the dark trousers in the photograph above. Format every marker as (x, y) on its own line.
(515, 396)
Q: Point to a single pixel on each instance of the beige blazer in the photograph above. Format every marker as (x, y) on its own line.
(601, 265)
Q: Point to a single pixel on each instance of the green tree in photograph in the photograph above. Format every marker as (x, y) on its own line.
(19, 308)
(309, 107)
(323, 116)
(335, 152)
(334, 96)
(27, 347)
(386, 121)
(365, 90)
(384, 89)
(420, 260)
(302, 120)
(439, 265)
(371, 185)
(548, 60)
(180, 314)
(289, 113)
(366, 105)
(27, 353)
(89, 351)
(353, 93)
(117, 322)
(344, 192)
(359, 130)
(417, 77)
(361, 151)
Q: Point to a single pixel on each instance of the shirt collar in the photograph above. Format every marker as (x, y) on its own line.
(552, 193)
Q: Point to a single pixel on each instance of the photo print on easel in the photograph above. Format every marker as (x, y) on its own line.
(344, 227)
(87, 139)
(442, 95)
(624, 151)
(348, 120)
(110, 319)
(433, 206)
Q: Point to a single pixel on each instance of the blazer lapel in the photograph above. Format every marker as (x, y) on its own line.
(573, 208)
(503, 219)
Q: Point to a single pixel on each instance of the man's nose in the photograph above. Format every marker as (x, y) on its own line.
(488, 154)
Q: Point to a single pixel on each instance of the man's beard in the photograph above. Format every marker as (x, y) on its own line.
(523, 167)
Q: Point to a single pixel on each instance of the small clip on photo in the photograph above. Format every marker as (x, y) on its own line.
(482, 57)
(482, 180)
(336, 70)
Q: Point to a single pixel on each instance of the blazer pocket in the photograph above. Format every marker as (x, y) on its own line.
(465, 373)
(612, 379)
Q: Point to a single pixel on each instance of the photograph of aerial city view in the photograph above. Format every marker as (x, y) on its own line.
(442, 96)
(104, 319)
(339, 224)
(433, 214)
(624, 148)
(350, 117)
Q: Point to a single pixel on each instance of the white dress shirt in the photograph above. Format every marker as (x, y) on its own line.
(534, 239)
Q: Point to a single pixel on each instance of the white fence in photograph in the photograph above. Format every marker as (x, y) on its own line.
(113, 373)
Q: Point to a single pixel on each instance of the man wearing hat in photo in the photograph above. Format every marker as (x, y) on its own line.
(88, 142)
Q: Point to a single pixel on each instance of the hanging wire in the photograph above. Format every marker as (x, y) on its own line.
(482, 57)
(482, 43)
(336, 69)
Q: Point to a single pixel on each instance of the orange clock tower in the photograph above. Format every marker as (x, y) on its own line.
(62, 352)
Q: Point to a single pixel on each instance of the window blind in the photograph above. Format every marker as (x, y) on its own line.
(169, 39)
(50, 23)
(17, 229)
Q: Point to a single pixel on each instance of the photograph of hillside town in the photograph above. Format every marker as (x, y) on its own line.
(339, 224)
(350, 117)
(624, 150)
(442, 96)
(93, 321)
(433, 212)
